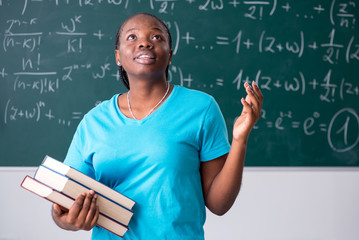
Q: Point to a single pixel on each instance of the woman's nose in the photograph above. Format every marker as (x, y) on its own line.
(145, 44)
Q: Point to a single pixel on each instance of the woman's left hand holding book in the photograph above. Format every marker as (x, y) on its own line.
(82, 215)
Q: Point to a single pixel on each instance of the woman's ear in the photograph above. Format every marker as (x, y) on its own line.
(170, 58)
(117, 56)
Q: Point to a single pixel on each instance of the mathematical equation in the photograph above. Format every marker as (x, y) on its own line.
(324, 87)
(341, 13)
(342, 130)
(297, 52)
(31, 41)
(35, 113)
(347, 119)
(267, 43)
(331, 51)
(328, 89)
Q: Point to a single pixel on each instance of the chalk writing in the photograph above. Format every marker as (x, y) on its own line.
(337, 127)
(58, 63)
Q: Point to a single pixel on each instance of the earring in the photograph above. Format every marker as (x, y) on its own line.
(118, 63)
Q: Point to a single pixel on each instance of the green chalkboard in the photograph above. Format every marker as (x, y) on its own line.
(57, 62)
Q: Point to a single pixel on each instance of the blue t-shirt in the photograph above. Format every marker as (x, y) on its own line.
(154, 161)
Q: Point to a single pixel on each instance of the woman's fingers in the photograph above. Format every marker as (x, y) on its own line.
(85, 206)
(58, 211)
(254, 92)
(83, 213)
(92, 212)
(254, 98)
(75, 210)
(258, 92)
(87, 214)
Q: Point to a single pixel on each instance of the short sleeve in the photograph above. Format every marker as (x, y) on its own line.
(214, 135)
(77, 155)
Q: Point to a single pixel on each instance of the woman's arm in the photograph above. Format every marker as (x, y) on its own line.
(82, 215)
(222, 177)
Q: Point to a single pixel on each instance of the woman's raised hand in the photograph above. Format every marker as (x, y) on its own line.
(251, 112)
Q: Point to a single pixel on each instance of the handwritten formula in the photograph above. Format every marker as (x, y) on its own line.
(57, 62)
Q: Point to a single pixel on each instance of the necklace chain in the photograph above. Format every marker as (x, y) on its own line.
(129, 106)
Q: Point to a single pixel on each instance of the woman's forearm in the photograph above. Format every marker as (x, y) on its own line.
(226, 185)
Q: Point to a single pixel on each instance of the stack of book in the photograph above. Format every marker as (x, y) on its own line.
(61, 184)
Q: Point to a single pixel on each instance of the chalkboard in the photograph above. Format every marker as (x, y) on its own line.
(57, 62)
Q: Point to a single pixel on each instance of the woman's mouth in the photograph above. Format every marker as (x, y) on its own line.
(145, 58)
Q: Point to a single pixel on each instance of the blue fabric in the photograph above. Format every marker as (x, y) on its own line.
(154, 161)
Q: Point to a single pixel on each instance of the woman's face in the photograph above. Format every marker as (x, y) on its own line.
(144, 49)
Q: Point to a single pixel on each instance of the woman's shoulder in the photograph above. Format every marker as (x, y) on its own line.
(193, 95)
(102, 108)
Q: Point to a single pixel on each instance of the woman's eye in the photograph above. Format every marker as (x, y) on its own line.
(158, 37)
(131, 37)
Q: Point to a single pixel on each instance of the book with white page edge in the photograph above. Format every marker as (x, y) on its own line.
(73, 189)
(54, 196)
(81, 178)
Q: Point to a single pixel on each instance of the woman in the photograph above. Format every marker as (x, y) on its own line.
(163, 146)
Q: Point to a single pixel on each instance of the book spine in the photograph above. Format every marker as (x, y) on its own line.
(120, 198)
(122, 215)
(99, 193)
(84, 185)
(81, 178)
(66, 202)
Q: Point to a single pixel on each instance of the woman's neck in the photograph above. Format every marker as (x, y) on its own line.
(145, 97)
(147, 90)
